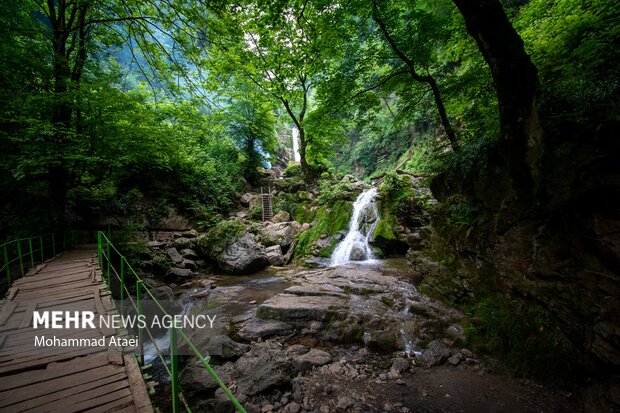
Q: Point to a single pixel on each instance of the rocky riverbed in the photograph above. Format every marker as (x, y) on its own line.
(356, 338)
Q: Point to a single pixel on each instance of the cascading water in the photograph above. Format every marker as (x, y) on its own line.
(354, 247)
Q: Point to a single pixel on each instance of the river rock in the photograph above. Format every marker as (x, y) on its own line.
(225, 348)
(178, 275)
(274, 254)
(174, 255)
(264, 328)
(245, 199)
(195, 378)
(189, 253)
(435, 354)
(358, 253)
(282, 233)
(313, 358)
(154, 245)
(400, 365)
(191, 234)
(291, 307)
(233, 248)
(182, 243)
(190, 264)
(264, 367)
(281, 216)
(163, 293)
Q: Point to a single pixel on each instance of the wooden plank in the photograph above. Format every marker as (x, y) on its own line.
(45, 392)
(12, 293)
(54, 370)
(120, 405)
(27, 317)
(91, 398)
(61, 395)
(115, 356)
(141, 398)
(40, 362)
(56, 282)
(7, 311)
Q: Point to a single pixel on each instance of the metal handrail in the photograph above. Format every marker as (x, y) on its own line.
(37, 250)
(104, 249)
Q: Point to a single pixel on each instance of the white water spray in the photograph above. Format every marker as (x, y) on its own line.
(354, 247)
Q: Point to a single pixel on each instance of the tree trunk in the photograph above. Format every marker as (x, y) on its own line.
(516, 85)
(305, 168)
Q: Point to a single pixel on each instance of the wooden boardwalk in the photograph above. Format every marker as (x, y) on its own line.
(72, 379)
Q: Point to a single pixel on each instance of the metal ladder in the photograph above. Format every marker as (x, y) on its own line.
(266, 198)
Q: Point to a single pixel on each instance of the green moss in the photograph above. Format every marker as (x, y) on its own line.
(387, 301)
(383, 230)
(328, 221)
(222, 235)
(328, 250)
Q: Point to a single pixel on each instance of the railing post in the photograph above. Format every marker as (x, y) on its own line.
(174, 372)
(7, 265)
(41, 247)
(139, 285)
(108, 259)
(99, 257)
(122, 283)
(31, 253)
(19, 254)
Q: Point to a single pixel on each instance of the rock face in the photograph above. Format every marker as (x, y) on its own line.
(233, 248)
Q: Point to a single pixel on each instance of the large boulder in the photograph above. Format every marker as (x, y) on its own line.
(281, 233)
(281, 216)
(275, 256)
(225, 348)
(174, 255)
(358, 252)
(246, 199)
(435, 354)
(233, 248)
(178, 275)
(262, 368)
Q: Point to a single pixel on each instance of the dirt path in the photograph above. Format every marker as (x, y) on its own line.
(439, 389)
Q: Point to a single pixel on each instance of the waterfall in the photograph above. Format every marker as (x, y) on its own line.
(296, 156)
(354, 247)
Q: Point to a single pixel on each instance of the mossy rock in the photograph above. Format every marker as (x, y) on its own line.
(220, 237)
(328, 222)
(383, 230)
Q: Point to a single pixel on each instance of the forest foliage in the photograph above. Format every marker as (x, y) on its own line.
(131, 109)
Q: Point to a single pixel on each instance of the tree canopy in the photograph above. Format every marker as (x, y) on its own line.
(177, 105)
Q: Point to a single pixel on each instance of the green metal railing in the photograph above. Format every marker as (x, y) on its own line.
(20, 255)
(112, 262)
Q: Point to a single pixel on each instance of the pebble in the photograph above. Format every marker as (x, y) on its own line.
(400, 382)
